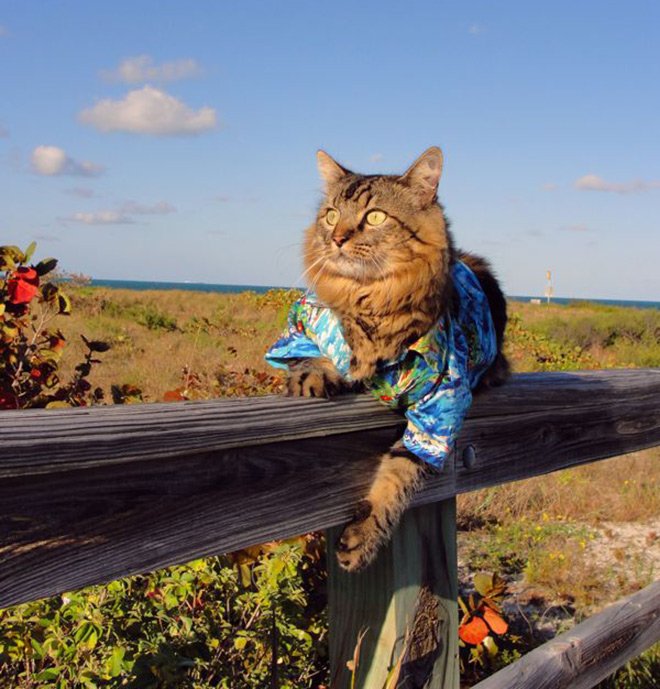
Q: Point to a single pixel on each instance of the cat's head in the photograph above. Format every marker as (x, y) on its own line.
(371, 228)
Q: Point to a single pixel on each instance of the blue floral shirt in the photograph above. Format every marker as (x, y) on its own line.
(432, 380)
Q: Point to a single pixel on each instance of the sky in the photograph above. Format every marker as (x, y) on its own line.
(176, 141)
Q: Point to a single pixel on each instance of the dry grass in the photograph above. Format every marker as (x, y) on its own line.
(625, 488)
(156, 336)
(581, 537)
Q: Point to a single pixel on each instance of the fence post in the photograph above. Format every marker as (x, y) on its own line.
(406, 602)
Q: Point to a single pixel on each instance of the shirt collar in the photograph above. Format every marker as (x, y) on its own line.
(427, 345)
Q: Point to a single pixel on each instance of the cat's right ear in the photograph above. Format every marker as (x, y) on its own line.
(423, 175)
(331, 171)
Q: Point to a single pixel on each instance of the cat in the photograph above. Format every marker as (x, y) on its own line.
(381, 257)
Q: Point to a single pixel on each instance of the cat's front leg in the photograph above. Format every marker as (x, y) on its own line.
(316, 377)
(363, 367)
(399, 476)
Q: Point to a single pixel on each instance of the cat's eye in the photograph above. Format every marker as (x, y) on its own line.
(376, 217)
(332, 217)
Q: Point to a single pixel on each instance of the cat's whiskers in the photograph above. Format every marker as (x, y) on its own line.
(310, 267)
(378, 263)
(314, 281)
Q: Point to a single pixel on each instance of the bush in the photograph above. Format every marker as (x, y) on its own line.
(234, 621)
(31, 347)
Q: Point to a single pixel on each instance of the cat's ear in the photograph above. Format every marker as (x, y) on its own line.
(330, 169)
(423, 176)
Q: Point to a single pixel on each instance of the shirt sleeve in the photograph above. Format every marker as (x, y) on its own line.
(435, 420)
(296, 342)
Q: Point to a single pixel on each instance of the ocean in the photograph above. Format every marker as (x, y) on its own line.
(141, 285)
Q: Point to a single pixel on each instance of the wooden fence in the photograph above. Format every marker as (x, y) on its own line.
(91, 495)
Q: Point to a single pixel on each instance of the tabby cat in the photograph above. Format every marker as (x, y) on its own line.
(381, 257)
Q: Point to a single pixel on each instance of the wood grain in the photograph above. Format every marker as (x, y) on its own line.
(87, 496)
(405, 602)
(591, 651)
(39, 441)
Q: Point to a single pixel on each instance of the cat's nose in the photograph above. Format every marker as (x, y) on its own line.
(340, 238)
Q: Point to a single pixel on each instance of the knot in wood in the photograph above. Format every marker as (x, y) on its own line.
(469, 456)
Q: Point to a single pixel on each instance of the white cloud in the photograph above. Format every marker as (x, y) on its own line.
(141, 68)
(122, 215)
(149, 111)
(580, 228)
(376, 157)
(160, 208)
(52, 160)
(105, 217)
(81, 192)
(476, 29)
(550, 186)
(593, 182)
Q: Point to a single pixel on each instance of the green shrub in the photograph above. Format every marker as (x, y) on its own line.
(231, 621)
(30, 348)
(619, 330)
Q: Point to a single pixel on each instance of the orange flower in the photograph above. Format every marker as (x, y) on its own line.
(23, 285)
(476, 626)
(474, 631)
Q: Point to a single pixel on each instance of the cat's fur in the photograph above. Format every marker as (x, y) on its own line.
(388, 284)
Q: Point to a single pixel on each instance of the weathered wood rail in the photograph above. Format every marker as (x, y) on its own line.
(90, 495)
(589, 652)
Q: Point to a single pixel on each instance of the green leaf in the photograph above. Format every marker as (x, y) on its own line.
(9, 331)
(483, 583)
(246, 574)
(98, 346)
(45, 266)
(49, 292)
(64, 304)
(37, 648)
(116, 661)
(52, 379)
(91, 640)
(12, 253)
(48, 673)
(84, 369)
(50, 356)
(490, 646)
(7, 263)
(29, 252)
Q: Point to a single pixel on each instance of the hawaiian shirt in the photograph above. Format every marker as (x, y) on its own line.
(432, 381)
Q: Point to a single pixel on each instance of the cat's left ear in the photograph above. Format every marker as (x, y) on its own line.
(423, 176)
(330, 169)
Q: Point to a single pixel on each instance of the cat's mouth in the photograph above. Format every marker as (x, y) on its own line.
(354, 266)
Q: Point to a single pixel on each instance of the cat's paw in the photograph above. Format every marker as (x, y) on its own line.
(313, 378)
(359, 541)
(307, 384)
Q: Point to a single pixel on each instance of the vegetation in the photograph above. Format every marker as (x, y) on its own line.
(256, 618)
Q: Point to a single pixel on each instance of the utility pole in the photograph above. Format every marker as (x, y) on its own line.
(549, 291)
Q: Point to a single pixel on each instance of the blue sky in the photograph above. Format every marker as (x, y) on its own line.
(176, 141)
